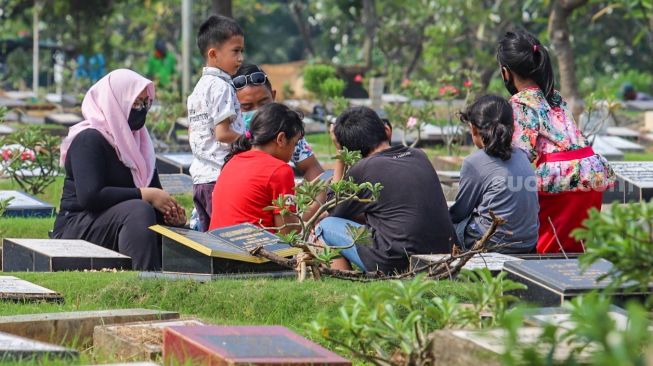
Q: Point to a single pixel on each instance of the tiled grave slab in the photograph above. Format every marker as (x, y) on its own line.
(13, 288)
(50, 255)
(561, 317)
(63, 119)
(634, 182)
(174, 163)
(492, 261)
(624, 132)
(484, 347)
(620, 143)
(24, 205)
(176, 183)
(606, 150)
(265, 345)
(17, 349)
(74, 326)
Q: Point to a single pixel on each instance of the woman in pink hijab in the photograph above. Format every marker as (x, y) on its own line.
(111, 192)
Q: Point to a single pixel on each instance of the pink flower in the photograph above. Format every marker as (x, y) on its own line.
(27, 155)
(412, 122)
(448, 90)
(467, 83)
(358, 78)
(6, 154)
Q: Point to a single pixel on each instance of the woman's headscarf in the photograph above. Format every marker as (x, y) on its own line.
(106, 108)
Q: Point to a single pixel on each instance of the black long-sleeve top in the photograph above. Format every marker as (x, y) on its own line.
(95, 178)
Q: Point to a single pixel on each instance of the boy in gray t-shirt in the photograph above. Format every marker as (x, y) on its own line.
(498, 178)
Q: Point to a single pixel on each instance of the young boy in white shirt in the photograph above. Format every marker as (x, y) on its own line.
(214, 116)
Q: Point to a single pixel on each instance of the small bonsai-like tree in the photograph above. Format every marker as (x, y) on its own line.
(315, 258)
(30, 157)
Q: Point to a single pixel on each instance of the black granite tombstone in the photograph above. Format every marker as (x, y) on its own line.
(551, 282)
(176, 183)
(224, 250)
(50, 255)
(24, 205)
(174, 163)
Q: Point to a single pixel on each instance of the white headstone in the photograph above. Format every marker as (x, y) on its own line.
(67, 248)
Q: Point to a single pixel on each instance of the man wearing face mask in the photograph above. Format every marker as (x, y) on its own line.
(254, 90)
(112, 193)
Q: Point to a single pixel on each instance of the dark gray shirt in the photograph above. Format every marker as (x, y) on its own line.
(410, 216)
(508, 188)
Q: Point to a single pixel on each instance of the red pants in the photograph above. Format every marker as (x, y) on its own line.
(566, 212)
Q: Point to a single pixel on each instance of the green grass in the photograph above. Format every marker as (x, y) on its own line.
(647, 156)
(283, 302)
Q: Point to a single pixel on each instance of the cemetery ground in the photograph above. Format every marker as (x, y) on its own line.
(256, 301)
(259, 301)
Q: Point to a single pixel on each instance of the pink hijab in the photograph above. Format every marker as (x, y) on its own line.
(106, 108)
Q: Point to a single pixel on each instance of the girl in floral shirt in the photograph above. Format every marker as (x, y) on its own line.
(571, 178)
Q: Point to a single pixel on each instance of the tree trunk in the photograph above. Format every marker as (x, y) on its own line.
(297, 11)
(369, 23)
(558, 30)
(222, 7)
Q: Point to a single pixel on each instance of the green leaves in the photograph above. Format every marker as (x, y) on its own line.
(624, 236)
(31, 158)
(322, 81)
(390, 325)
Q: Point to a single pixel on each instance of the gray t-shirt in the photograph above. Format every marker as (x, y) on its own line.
(508, 188)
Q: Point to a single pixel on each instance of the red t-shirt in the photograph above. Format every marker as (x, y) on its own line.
(247, 184)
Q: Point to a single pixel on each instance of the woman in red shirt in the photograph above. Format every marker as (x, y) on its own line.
(256, 171)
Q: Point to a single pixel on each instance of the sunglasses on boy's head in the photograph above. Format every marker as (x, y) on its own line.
(255, 78)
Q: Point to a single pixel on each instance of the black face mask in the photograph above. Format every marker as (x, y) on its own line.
(510, 84)
(136, 119)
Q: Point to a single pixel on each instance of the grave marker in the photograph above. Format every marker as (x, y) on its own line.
(648, 121)
(13, 288)
(5, 130)
(561, 317)
(63, 119)
(623, 132)
(224, 250)
(634, 182)
(484, 347)
(174, 163)
(51, 255)
(134, 341)
(16, 349)
(551, 282)
(492, 261)
(176, 183)
(24, 205)
(606, 150)
(246, 345)
(449, 176)
(620, 143)
(74, 326)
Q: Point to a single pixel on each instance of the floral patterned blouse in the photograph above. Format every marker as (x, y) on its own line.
(542, 129)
